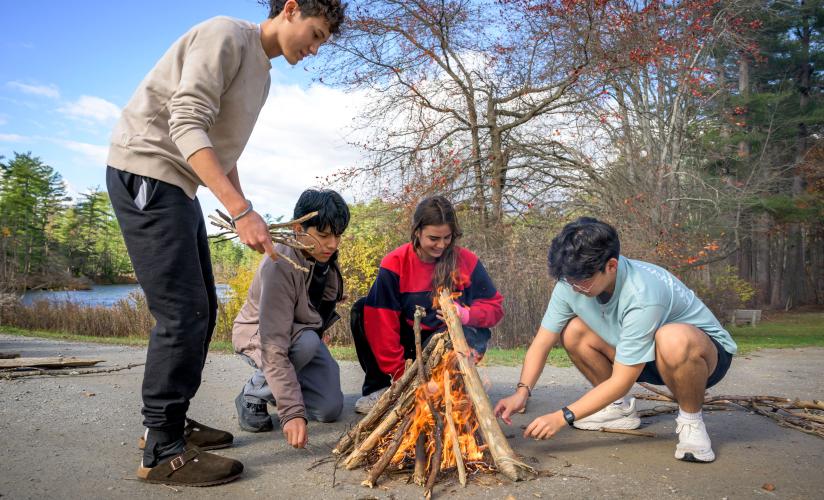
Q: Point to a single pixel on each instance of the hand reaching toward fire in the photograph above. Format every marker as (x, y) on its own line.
(507, 406)
(545, 426)
(295, 433)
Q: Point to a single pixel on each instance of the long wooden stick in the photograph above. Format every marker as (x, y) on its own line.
(505, 459)
(386, 400)
(631, 432)
(437, 434)
(419, 475)
(450, 425)
(401, 408)
(805, 421)
(66, 372)
(383, 462)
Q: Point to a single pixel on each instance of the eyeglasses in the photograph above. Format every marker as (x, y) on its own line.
(582, 286)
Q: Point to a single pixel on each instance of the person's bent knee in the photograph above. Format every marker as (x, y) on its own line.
(304, 348)
(573, 334)
(330, 411)
(676, 343)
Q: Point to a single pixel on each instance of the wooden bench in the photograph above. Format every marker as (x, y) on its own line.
(751, 316)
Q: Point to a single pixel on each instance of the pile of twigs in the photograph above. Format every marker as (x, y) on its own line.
(281, 232)
(383, 429)
(803, 415)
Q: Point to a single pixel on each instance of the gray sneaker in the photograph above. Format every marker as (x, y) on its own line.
(252, 417)
(366, 403)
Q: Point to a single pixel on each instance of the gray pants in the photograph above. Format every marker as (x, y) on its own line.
(318, 374)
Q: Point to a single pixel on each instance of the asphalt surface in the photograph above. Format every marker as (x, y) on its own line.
(76, 437)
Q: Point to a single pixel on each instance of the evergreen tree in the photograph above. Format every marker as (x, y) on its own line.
(32, 194)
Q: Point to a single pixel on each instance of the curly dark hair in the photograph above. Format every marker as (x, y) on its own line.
(582, 248)
(333, 10)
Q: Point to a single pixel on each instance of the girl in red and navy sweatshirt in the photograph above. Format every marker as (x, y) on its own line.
(410, 276)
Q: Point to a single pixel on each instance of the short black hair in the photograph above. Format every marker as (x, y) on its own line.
(333, 213)
(582, 248)
(333, 10)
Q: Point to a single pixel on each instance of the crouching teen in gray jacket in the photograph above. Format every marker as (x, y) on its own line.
(280, 327)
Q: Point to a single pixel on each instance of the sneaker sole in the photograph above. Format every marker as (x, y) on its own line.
(362, 411)
(622, 424)
(701, 458)
(141, 445)
(143, 472)
(264, 428)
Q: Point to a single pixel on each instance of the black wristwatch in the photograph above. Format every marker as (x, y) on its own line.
(568, 415)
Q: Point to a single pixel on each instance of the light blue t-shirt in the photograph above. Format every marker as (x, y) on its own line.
(646, 297)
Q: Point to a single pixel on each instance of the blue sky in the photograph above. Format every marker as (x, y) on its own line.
(68, 67)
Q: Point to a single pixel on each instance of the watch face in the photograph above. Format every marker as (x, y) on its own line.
(568, 416)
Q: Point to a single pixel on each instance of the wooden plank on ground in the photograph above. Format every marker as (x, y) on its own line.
(9, 355)
(56, 362)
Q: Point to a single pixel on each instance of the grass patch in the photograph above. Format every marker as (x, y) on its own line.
(515, 357)
(787, 330)
(782, 331)
(494, 356)
(219, 346)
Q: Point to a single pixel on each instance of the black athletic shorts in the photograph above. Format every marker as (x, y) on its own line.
(651, 375)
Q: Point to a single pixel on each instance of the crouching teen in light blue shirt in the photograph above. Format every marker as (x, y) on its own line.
(622, 321)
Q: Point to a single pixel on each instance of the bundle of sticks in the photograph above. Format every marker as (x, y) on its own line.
(803, 415)
(281, 232)
(394, 420)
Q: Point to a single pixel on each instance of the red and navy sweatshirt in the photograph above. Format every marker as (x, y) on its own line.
(405, 281)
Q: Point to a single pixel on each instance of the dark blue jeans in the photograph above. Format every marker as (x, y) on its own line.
(165, 236)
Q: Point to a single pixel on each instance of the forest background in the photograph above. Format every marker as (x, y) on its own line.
(695, 127)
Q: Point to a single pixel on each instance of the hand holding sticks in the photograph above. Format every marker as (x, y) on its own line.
(281, 232)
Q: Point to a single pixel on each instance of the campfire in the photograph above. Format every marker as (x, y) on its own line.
(434, 419)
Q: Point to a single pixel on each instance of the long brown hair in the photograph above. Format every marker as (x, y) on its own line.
(436, 211)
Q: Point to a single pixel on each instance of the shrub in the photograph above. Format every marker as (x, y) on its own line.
(724, 292)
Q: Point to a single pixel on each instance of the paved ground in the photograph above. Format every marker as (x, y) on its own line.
(75, 437)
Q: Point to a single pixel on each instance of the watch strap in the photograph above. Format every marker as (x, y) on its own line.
(568, 415)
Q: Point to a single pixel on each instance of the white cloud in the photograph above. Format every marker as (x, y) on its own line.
(299, 139)
(11, 138)
(91, 154)
(90, 108)
(71, 191)
(50, 91)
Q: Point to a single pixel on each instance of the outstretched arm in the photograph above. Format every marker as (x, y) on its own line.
(534, 363)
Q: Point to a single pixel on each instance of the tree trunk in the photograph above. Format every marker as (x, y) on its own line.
(795, 289)
(761, 238)
(744, 92)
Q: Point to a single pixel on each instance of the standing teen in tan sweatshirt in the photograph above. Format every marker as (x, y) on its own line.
(186, 126)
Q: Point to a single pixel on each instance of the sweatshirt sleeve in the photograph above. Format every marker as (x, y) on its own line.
(381, 322)
(486, 308)
(211, 61)
(277, 312)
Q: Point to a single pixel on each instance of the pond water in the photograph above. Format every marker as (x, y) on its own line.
(101, 295)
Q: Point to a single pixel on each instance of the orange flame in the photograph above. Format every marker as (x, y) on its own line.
(452, 295)
(466, 423)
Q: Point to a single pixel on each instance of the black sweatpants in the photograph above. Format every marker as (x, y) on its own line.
(165, 235)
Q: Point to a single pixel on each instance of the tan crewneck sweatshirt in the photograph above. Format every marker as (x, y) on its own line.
(206, 91)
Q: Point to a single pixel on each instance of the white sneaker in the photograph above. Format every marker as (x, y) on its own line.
(365, 403)
(693, 441)
(611, 417)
